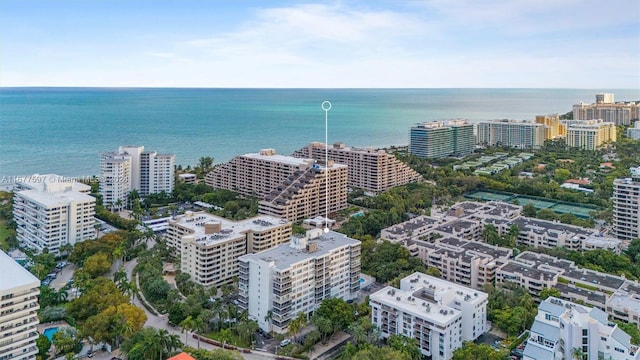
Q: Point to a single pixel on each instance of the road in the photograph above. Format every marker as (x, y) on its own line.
(161, 322)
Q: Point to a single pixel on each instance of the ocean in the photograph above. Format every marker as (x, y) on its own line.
(64, 130)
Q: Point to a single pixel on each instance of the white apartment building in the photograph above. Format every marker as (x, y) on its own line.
(511, 133)
(438, 313)
(132, 168)
(19, 291)
(294, 278)
(562, 328)
(51, 211)
(209, 246)
(626, 206)
(373, 170)
(634, 132)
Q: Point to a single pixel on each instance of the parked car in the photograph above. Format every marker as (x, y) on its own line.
(285, 342)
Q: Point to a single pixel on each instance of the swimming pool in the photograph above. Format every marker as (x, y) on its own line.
(49, 332)
(361, 280)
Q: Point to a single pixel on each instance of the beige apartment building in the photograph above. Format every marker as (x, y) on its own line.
(373, 170)
(209, 246)
(295, 278)
(589, 134)
(317, 191)
(554, 128)
(605, 108)
(256, 174)
(19, 291)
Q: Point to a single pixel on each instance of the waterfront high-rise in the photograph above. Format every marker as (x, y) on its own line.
(295, 278)
(438, 139)
(316, 191)
(51, 211)
(19, 291)
(511, 133)
(605, 108)
(132, 168)
(372, 170)
(626, 206)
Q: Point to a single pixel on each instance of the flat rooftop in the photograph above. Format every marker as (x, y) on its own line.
(627, 297)
(195, 221)
(56, 199)
(51, 181)
(427, 287)
(282, 159)
(14, 275)
(530, 272)
(406, 302)
(284, 255)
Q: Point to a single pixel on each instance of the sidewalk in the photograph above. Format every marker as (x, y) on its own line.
(328, 351)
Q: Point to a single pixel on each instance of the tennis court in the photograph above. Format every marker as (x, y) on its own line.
(577, 210)
(488, 196)
(538, 203)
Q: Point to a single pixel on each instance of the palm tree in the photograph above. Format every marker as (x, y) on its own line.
(174, 343)
(163, 340)
(199, 326)
(358, 333)
(269, 318)
(187, 325)
(577, 353)
(297, 323)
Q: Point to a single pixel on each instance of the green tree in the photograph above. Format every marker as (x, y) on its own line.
(337, 311)
(406, 345)
(529, 210)
(44, 344)
(546, 292)
(470, 350)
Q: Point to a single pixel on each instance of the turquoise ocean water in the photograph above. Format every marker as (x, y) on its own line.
(63, 130)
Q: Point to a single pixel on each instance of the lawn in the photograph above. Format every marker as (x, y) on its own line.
(4, 234)
(232, 338)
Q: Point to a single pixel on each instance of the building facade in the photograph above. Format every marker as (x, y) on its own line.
(554, 128)
(563, 329)
(257, 174)
(589, 134)
(441, 139)
(626, 206)
(294, 278)
(605, 108)
(209, 246)
(511, 133)
(634, 132)
(317, 191)
(437, 313)
(372, 170)
(131, 168)
(51, 211)
(19, 291)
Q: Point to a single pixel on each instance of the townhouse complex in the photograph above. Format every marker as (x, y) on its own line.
(451, 241)
(290, 187)
(51, 211)
(626, 206)
(605, 108)
(19, 291)
(278, 284)
(131, 168)
(563, 328)
(209, 246)
(372, 170)
(438, 139)
(438, 313)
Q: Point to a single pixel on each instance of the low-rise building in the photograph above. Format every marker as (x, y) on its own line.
(209, 246)
(634, 132)
(563, 329)
(51, 211)
(19, 291)
(437, 313)
(372, 170)
(278, 284)
(188, 178)
(624, 304)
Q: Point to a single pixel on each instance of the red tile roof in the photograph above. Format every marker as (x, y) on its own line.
(182, 356)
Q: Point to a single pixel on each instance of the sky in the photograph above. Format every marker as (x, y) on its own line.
(324, 44)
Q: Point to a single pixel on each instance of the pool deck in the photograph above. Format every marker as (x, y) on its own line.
(58, 324)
